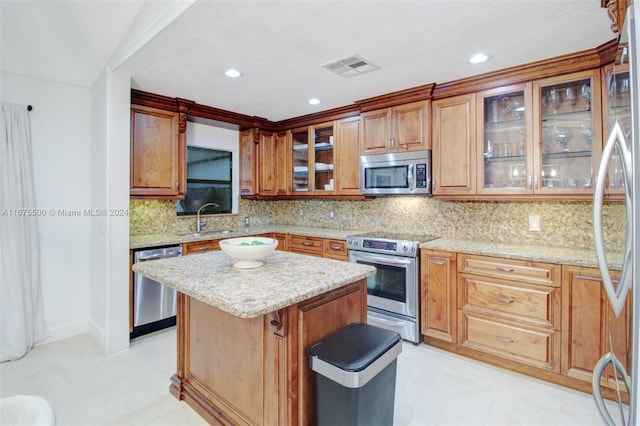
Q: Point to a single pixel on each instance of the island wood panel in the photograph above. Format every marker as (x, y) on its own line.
(254, 371)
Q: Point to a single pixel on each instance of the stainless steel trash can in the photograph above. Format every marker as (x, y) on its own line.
(356, 376)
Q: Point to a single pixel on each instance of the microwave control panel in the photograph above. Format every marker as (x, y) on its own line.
(421, 175)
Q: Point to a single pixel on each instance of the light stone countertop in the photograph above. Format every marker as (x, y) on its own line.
(548, 254)
(285, 279)
(157, 240)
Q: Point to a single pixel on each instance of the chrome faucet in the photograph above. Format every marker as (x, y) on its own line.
(201, 223)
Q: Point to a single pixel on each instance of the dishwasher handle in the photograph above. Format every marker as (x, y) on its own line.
(160, 256)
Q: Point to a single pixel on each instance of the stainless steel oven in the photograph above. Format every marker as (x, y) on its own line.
(393, 292)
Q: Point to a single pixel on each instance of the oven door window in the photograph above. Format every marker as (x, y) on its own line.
(388, 282)
(389, 177)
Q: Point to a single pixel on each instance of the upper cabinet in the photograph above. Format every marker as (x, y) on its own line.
(539, 139)
(454, 148)
(248, 163)
(617, 107)
(158, 153)
(313, 159)
(395, 129)
(568, 119)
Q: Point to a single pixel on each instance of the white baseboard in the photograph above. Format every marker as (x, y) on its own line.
(64, 332)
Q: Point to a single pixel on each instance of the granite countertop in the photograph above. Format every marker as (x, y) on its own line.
(538, 253)
(285, 279)
(156, 240)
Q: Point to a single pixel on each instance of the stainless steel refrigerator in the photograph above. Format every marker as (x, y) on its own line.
(620, 166)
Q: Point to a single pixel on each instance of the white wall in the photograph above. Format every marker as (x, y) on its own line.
(209, 136)
(61, 132)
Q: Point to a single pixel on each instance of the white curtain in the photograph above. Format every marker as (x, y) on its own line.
(22, 315)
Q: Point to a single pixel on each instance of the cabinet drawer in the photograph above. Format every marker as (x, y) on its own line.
(200, 247)
(538, 305)
(522, 271)
(533, 346)
(336, 249)
(306, 245)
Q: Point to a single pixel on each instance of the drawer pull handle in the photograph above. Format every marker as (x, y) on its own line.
(203, 248)
(504, 300)
(306, 243)
(504, 269)
(335, 247)
(437, 262)
(503, 339)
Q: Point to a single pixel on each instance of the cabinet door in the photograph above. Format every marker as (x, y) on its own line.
(300, 163)
(347, 156)
(410, 127)
(616, 107)
(438, 294)
(248, 163)
(158, 154)
(569, 130)
(375, 132)
(589, 326)
(322, 164)
(267, 164)
(200, 247)
(281, 165)
(454, 146)
(505, 139)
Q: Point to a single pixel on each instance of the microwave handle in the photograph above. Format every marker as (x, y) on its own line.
(410, 180)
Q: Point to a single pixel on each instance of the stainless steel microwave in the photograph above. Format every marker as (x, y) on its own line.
(403, 173)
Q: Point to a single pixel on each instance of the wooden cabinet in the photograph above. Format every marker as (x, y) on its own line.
(267, 180)
(255, 371)
(616, 106)
(589, 325)
(281, 164)
(200, 247)
(248, 162)
(347, 173)
(396, 129)
(511, 309)
(335, 249)
(454, 147)
(438, 317)
(532, 140)
(306, 245)
(158, 154)
(312, 154)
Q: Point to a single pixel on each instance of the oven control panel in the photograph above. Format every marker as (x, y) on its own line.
(373, 245)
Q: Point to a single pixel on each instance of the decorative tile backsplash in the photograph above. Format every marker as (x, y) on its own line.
(566, 224)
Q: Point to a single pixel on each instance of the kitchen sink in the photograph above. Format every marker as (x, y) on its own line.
(204, 233)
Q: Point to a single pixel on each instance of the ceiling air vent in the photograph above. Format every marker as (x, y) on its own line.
(352, 66)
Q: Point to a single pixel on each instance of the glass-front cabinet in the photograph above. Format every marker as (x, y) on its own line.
(313, 160)
(569, 133)
(542, 137)
(617, 101)
(505, 163)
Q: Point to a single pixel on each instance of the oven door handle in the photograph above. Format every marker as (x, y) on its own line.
(384, 260)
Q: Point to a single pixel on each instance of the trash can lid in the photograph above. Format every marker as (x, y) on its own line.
(355, 346)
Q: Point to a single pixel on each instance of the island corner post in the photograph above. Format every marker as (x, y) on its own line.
(254, 371)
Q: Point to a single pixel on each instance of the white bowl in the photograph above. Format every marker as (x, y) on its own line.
(248, 250)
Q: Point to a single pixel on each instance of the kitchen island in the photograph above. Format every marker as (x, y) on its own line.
(243, 333)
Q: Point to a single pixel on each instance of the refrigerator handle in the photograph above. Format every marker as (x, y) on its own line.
(617, 296)
(601, 365)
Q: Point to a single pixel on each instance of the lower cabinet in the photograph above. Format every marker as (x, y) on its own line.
(545, 320)
(438, 316)
(200, 247)
(590, 327)
(315, 246)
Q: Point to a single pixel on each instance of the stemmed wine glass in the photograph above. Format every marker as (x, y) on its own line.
(554, 100)
(570, 94)
(585, 90)
(624, 90)
(561, 138)
(587, 135)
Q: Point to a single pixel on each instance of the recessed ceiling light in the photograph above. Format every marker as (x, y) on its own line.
(232, 73)
(314, 101)
(478, 58)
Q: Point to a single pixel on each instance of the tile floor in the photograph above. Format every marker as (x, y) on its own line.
(434, 387)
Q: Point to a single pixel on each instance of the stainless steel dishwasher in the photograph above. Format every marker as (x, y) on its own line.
(154, 305)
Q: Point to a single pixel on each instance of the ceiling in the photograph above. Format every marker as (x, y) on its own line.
(281, 46)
